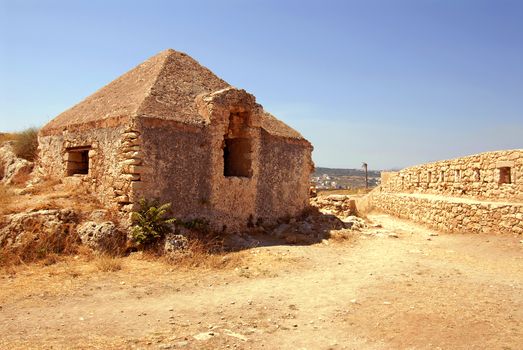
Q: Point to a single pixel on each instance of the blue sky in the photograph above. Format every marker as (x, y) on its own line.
(392, 83)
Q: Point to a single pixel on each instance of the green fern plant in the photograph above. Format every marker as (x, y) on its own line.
(150, 222)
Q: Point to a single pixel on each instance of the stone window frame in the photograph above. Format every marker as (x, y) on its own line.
(504, 175)
(71, 164)
(457, 175)
(237, 150)
(237, 145)
(476, 174)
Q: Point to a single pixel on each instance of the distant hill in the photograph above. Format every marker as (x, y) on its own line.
(344, 172)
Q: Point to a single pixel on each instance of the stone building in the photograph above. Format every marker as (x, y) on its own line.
(479, 193)
(171, 129)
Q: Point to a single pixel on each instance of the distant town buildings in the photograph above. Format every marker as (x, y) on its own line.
(331, 181)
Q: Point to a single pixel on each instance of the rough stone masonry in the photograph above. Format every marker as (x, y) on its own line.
(482, 193)
(170, 129)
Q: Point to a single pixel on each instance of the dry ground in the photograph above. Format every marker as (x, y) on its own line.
(371, 291)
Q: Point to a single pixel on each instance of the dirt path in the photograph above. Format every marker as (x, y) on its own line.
(370, 292)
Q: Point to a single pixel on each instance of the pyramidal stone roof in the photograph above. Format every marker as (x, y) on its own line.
(165, 87)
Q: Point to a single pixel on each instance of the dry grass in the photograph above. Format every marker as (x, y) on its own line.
(208, 253)
(52, 194)
(351, 191)
(7, 197)
(4, 137)
(26, 144)
(22, 179)
(106, 263)
(41, 245)
(45, 185)
(341, 235)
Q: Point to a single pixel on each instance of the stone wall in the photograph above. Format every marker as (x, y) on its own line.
(186, 166)
(481, 193)
(453, 214)
(490, 175)
(176, 168)
(107, 160)
(229, 169)
(283, 185)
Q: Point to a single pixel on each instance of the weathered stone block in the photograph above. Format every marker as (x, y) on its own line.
(132, 162)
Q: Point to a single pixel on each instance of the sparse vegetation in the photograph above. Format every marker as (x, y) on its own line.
(26, 143)
(352, 191)
(6, 137)
(198, 224)
(40, 245)
(106, 263)
(150, 223)
(6, 198)
(206, 253)
(341, 235)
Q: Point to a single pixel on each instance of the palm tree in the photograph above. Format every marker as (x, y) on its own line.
(364, 165)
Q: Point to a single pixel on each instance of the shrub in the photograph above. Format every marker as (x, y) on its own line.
(107, 263)
(199, 224)
(4, 137)
(150, 222)
(26, 144)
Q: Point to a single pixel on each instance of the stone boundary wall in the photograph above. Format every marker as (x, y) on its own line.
(490, 175)
(482, 193)
(455, 215)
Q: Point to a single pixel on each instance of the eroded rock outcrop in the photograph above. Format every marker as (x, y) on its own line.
(13, 170)
(15, 229)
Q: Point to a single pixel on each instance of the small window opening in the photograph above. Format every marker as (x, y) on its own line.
(442, 176)
(504, 175)
(77, 161)
(429, 177)
(477, 174)
(418, 179)
(457, 175)
(237, 157)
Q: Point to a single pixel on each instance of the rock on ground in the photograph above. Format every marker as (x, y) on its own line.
(15, 228)
(13, 170)
(336, 204)
(104, 236)
(175, 244)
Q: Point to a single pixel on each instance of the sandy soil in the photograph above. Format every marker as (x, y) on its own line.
(372, 291)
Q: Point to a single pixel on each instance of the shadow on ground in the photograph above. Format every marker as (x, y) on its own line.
(311, 228)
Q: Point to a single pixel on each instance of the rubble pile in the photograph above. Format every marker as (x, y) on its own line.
(335, 204)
